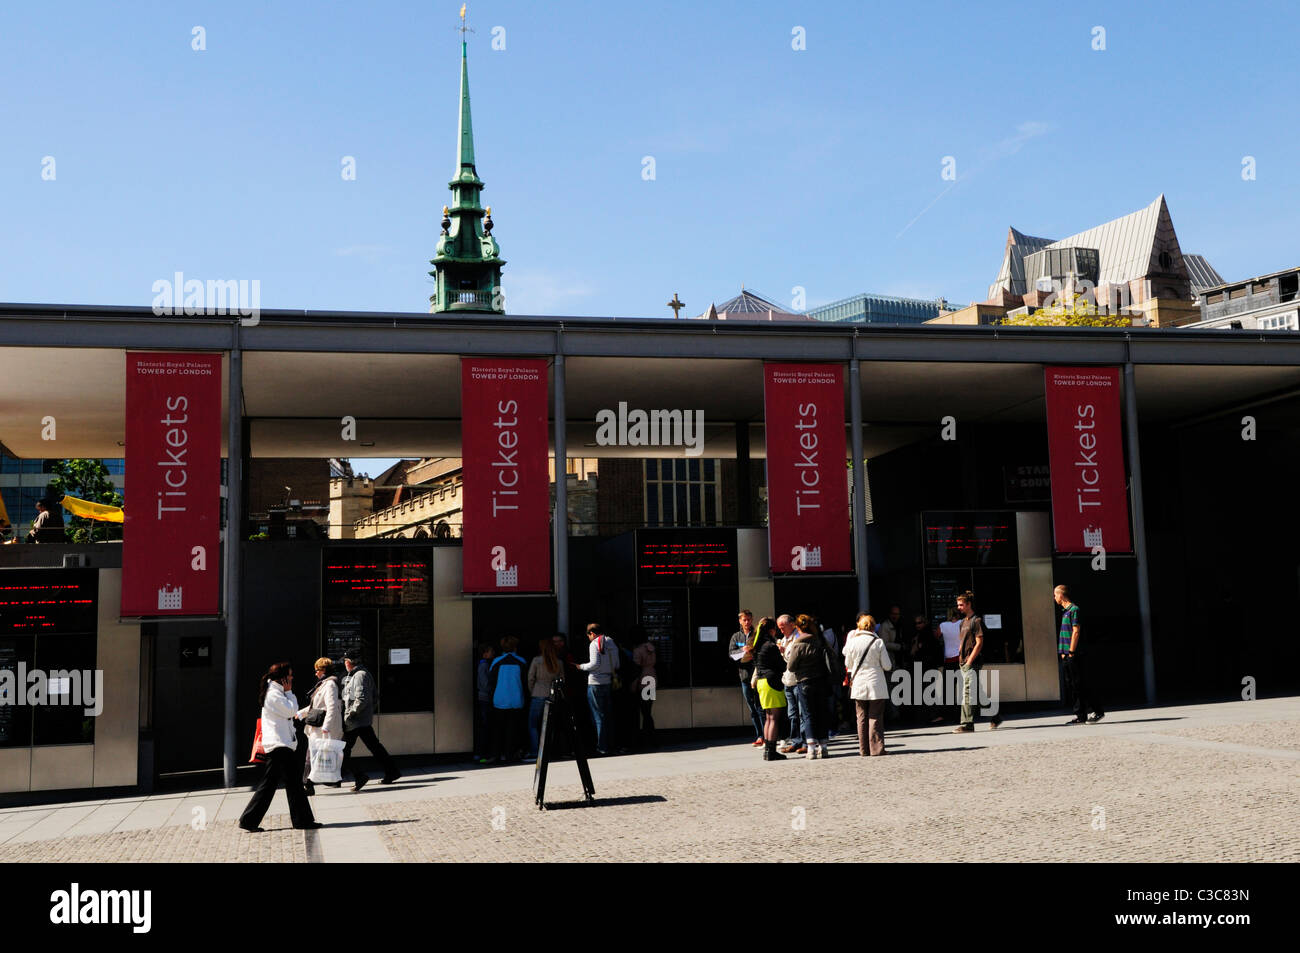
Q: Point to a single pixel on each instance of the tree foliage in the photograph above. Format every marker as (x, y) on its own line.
(86, 480)
(1079, 312)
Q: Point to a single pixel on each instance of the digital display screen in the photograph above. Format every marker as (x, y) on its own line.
(48, 601)
(375, 577)
(970, 539)
(688, 558)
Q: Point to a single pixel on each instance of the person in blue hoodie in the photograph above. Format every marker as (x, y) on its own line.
(506, 685)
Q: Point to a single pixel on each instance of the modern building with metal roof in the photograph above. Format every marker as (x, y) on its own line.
(1140, 266)
(867, 308)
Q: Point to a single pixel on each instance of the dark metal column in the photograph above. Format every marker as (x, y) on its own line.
(561, 522)
(1139, 530)
(234, 523)
(744, 496)
(859, 487)
(245, 475)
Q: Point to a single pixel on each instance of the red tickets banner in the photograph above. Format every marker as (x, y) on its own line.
(171, 545)
(1085, 449)
(808, 519)
(504, 445)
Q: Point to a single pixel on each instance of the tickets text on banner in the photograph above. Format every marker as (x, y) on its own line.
(171, 531)
(504, 444)
(807, 474)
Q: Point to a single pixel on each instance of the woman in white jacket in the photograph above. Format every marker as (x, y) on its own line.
(279, 740)
(866, 660)
(325, 697)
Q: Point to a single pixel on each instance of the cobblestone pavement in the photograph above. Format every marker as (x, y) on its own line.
(1091, 800)
(1280, 734)
(219, 842)
(1194, 783)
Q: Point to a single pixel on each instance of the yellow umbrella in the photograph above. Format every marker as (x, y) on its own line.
(94, 511)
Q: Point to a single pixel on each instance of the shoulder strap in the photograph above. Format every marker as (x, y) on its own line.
(874, 638)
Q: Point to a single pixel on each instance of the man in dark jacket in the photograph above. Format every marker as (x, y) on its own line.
(358, 719)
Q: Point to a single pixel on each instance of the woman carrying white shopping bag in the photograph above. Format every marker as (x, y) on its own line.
(323, 718)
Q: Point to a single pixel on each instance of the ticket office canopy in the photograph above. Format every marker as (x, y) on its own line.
(398, 375)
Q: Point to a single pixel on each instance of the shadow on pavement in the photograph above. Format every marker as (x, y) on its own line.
(607, 802)
(379, 823)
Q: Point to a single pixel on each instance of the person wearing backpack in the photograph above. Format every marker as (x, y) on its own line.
(600, 668)
(866, 660)
(506, 680)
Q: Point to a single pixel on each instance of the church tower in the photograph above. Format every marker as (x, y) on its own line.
(467, 263)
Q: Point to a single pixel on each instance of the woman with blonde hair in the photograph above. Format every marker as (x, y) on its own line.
(867, 660)
(327, 720)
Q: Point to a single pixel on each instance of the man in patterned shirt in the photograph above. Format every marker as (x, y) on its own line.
(1074, 660)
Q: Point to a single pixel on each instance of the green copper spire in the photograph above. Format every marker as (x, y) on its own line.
(467, 263)
(466, 156)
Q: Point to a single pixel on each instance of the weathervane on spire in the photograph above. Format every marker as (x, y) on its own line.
(464, 28)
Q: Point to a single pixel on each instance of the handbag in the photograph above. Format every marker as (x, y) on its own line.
(315, 717)
(259, 753)
(326, 760)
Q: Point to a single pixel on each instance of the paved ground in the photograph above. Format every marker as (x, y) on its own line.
(1196, 783)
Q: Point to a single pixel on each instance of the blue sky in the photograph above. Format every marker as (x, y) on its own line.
(776, 168)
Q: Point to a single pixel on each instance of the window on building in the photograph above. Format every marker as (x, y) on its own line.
(1287, 287)
(1280, 322)
(681, 492)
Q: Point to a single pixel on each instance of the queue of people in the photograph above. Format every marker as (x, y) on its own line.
(796, 678)
(792, 667)
(611, 694)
